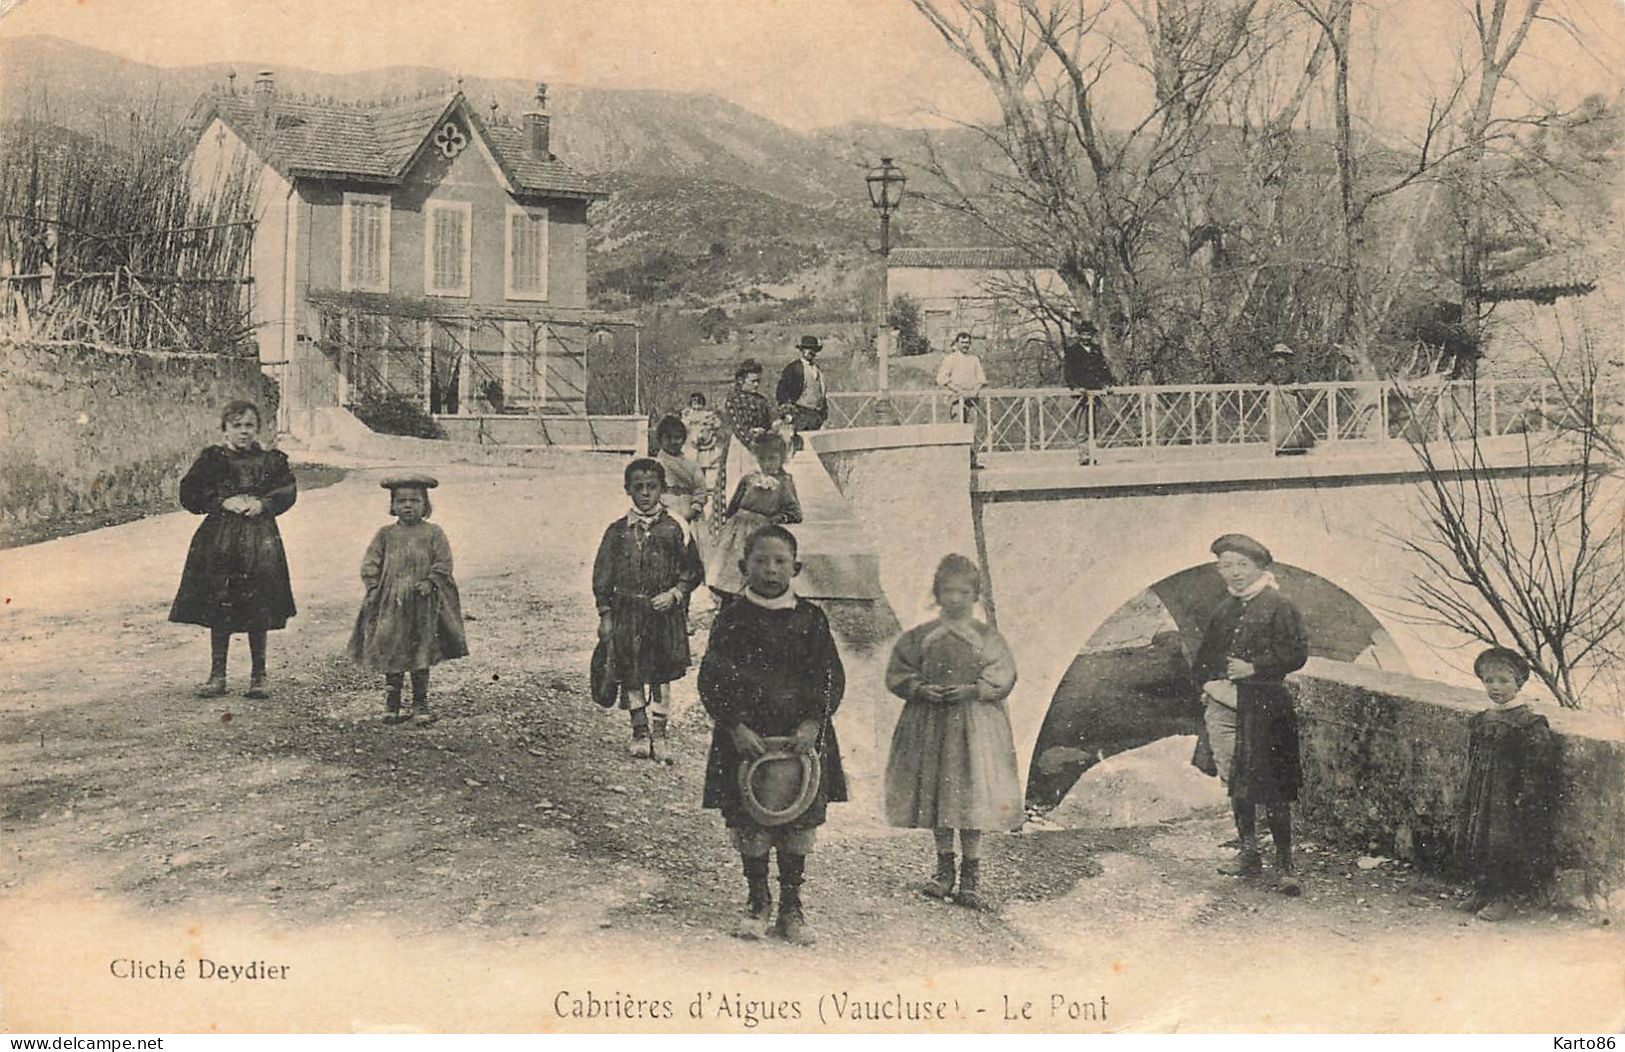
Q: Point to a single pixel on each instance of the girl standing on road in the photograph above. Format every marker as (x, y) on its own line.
(953, 756)
(412, 616)
(236, 575)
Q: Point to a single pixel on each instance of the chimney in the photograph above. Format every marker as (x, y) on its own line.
(538, 122)
(265, 82)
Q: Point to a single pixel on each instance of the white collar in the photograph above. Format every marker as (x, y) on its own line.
(786, 601)
(1254, 590)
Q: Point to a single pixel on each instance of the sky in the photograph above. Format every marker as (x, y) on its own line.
(804, 63)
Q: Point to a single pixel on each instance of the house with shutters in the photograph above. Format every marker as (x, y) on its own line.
(413, 247)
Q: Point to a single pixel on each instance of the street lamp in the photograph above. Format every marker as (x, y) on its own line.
(886, 195)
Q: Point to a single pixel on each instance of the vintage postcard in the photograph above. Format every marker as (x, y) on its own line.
(812, 516)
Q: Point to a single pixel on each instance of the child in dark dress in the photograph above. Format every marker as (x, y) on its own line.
(236, 575)
(1504, 831)
(647, 565)
(772, 671)
(412, 616)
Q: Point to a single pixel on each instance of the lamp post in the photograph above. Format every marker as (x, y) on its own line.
(886, 195)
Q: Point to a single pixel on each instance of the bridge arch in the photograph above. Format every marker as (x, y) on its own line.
(1129, 683)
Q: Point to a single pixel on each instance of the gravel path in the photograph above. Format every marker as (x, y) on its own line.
(461, 876)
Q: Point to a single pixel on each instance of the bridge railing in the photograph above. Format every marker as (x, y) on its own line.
(1151, 421)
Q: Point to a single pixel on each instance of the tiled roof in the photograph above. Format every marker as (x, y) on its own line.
(1566, 272)
(963, 259)
(377, 143)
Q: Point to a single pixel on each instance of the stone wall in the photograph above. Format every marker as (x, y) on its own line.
(86, 429)
(1385, 762)
(909, 489)
(623, 434)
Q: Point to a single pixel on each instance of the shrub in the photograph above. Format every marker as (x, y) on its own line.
(905, 318)
(389, 413)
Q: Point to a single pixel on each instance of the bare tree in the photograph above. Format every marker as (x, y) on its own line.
(1088, 193)
(1527, 552)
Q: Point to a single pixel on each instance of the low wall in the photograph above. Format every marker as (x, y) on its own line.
(86, 429)
(625, 434)
(909, 489)
(1385, 762)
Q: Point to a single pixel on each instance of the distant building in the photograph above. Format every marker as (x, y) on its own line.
(410, 246)
(980, 290)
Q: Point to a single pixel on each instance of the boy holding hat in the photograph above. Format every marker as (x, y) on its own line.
(772, 680)
(646, 567)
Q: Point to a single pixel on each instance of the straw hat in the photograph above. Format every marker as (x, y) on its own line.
(778, 787)
(410, 480)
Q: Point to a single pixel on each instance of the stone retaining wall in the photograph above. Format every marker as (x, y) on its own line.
(1385, 762)
(86, 429)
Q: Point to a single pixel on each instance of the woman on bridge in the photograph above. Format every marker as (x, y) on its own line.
(1252, 641)
(750, 416)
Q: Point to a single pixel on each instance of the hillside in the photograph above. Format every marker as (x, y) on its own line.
(712, 203)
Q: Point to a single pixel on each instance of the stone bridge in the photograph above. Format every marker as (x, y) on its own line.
(1065, 546)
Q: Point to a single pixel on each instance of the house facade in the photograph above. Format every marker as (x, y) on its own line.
(410, 247)
(979, 290)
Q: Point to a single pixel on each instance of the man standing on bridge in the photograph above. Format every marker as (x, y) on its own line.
(801, 388)
(1290, 431)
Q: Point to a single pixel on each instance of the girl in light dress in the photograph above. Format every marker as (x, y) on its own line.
(953, 756)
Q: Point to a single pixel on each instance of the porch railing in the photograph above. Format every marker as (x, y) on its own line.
(1142, 423)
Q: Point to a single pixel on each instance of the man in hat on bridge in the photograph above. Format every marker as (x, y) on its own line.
(801, 387)
(1290, 409)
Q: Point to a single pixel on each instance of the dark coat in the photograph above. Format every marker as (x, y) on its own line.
(1267, 632)
(792, 385)
(1084, 365)
(634, 564)
(770, 670)
(1504, 830)
(236, 574)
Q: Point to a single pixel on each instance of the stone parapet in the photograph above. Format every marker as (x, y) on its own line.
(1385, 763)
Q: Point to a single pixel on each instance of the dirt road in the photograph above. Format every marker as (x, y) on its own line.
(490, 871)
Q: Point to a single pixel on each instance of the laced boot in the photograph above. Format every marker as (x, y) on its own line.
(1286, 874)
(392, 703)
(759, 903)
(659, 743)
(941, 886)
(1247, 863)
(640, 746)
(970, 885)
(792, 926)
(420, 700)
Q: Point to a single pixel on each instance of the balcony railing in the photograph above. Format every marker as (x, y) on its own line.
(1140, 423)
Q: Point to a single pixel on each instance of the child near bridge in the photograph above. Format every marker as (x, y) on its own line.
(953, 756)
(646, 568)
(772, 680)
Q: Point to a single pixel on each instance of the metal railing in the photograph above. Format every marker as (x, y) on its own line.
(1150, 422)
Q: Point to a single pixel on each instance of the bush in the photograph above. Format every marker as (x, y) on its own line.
(395, 414)
(905, 318)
